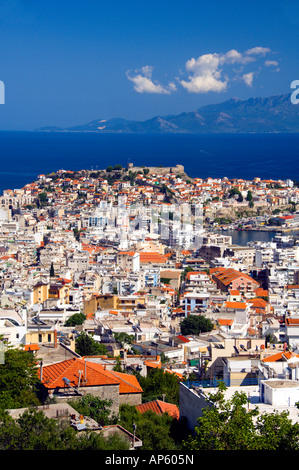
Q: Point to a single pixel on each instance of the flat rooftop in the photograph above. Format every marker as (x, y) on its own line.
(253, 394)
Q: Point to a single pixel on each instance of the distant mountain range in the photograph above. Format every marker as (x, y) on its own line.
(255, 115)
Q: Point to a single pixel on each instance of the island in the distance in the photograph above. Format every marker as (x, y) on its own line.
(273, 114)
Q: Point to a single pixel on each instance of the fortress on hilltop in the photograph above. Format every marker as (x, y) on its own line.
(162, 170)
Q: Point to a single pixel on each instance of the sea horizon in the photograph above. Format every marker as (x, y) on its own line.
(26, 154)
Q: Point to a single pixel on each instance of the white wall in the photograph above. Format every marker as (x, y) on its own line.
(281, 396)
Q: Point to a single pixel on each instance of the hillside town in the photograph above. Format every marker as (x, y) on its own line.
(138, 251)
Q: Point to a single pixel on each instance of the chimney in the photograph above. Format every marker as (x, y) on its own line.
(55, 338)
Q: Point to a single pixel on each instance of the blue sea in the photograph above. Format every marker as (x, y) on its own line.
(24, 155)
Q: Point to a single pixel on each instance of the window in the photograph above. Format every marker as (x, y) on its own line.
(40, 338)
(49, 337)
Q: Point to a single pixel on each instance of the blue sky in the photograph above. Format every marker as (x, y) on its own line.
(68, 62)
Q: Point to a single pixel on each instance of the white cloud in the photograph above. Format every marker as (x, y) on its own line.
(258, 51)
(211, 72)
(143, 82)
(248, 78)
(270, 63)
(205, 75)
(235, 57)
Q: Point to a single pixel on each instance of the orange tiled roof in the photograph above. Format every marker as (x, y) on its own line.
(240, 305)
(96, 375)
(127, 383)
(261, 292)
(225, 322)
(159, 407)
(279, 356)
(229, 275)
(169, 371)
(152, 257)
(31, 347)
(154, 363)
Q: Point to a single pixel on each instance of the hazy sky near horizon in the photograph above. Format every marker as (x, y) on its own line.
(69, 62)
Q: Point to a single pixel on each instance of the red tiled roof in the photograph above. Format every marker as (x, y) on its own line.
(229, 275)
(127, 383)
(183, 338)
(238, 305)
(225, 322)
(31, 347)
(258, 303)
(152, 257)
(159, 407)
(261, 292)
(96, 375)
(279, 356)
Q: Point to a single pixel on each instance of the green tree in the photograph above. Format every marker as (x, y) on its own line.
(230, 425)
(249, 196)
(157, 432)
(76, 319)
(159, 383)
(43, 198)
(34, 431)
(52, 272)
(186, 270)
(76, 234)
(118, 367)
(234, 192)
(123, 338)
(95, 408)
(19, 381)
(87, 346)
(196, 324)
(275, 431)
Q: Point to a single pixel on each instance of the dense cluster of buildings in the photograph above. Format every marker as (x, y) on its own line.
(137, 253)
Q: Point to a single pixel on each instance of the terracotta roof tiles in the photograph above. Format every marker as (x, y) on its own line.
(159, 407)
(96, 375)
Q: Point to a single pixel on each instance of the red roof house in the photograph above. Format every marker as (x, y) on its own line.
(159, 407)
(76, 377)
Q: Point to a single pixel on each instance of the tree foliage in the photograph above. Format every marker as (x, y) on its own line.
(157, 432)
(76, 319)
(87, 346)
(230, 425)
(123, 338)
(52, 271)
(159, 383)
(34, 431)
(196, 324)
(95, 408)
(18, 380)
(249, 196)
